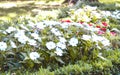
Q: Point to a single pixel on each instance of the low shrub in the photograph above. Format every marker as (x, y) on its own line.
(33, 44)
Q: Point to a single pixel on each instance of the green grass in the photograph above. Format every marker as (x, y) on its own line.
(10, 10)
(109, 1)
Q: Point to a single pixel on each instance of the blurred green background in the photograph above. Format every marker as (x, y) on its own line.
(9, 9)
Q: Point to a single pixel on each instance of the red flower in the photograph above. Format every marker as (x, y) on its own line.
(104, 23)
(90, 24)
(103, 29)
(81, 22)
(98, 27)
(113, 33)
(101, 32)
(68, 21)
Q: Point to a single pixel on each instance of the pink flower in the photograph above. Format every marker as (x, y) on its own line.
(104, 24)
(100, 32)
(68, 21)
(113, 33)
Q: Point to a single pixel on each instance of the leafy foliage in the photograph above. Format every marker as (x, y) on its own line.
(75, 45)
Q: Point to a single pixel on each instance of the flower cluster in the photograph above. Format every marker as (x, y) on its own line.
(116, 14)
(57, 36)
(89, 14)
(92, 17)
(97, 39)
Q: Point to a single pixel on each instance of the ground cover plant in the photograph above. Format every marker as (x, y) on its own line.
(84, 43)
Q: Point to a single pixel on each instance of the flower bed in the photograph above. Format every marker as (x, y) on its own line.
(30, 44)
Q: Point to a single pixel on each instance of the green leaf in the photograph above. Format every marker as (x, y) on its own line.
(22, 55)
(59, 60)
(73, 53)
(28, 63)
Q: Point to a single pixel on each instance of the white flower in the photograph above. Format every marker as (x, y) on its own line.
(32, 42)
(56, 31)
(79, 11)
(76, 24)
(20, 33)
(86, 37)
(34, 55)
(108, 13)
(36, 36)
(4, 32)
(21, 36)
(64, 25)
(31, 24)
(95, 38)
(96, 14)
(51, 23)
(90, 8)
(59, 51)
(61, 45)
(73, 41)
(118, 16)
(105, 42)
(63, 40)
(13, 44)
(23, 39)
(116, 12)
(86, 18)
(50, 45)
(40, 25)
(91, 28)
(10, 29)
(3, 45)
(101, 39)
(113, 16)
(94, 29)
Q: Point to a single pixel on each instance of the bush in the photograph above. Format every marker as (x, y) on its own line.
(31, 45)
